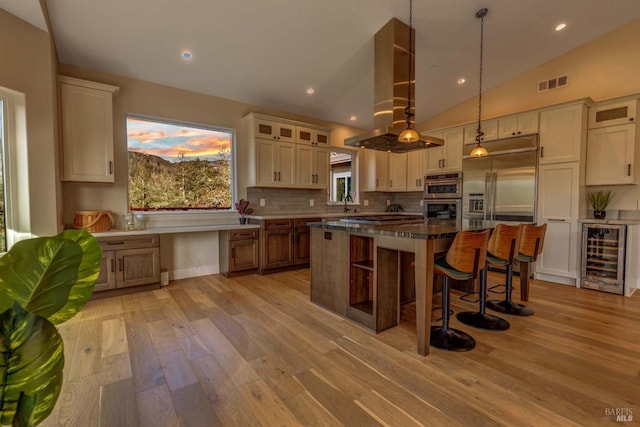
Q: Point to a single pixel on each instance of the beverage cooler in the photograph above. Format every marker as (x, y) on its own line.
(603, 257)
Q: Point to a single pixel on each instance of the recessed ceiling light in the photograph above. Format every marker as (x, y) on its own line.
(353, 118)
(310, 91)
(561, 26)
(461, 80)
(187, 55)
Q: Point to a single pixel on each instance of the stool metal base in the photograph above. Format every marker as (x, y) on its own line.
(451, 339)
(483, 321)
(509, 307)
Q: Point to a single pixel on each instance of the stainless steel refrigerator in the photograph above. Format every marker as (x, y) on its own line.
(502, 185)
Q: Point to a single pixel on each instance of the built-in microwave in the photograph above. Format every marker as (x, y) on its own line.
(443, 186)
(450, 209)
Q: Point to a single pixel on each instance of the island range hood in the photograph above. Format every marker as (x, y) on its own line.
(391, 70)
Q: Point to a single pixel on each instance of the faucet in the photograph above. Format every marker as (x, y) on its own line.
(347, 198)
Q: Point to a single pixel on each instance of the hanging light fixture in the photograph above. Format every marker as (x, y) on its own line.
(479, 150)
(409, 134)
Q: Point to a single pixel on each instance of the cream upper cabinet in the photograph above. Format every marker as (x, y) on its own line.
(558, 207)
(562, 134)
(285, 153)
(449, 156)
(374, 170)
(489, 127)
(415, 170)
(86, 122)
(611, 154)
(275, 163)
(273, 130)
(310, 136)
(518, 124)
(397, 172)
(312, 166)
(613, 113)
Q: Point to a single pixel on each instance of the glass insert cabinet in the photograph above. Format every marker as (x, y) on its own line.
(603, 257)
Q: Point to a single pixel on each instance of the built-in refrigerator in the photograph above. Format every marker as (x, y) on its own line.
(502, 185)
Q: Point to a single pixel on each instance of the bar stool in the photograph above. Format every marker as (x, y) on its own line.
(500, 252)
(464, 259)
(531, 242)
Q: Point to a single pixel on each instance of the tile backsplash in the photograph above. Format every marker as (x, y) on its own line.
(297, 201)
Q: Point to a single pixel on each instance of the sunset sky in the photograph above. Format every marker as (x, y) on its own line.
(168, 140)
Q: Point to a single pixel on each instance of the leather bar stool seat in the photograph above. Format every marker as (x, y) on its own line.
(464, 260)
(529, 247)
(500, 253)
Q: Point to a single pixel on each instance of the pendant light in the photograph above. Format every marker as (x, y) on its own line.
(479, 150)
(409, 134)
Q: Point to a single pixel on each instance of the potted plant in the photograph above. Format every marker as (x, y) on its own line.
(243, 208)
(599, 201)
(44, 281)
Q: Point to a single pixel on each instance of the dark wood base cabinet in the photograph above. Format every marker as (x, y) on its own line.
(128, 262)
(284, 244)
(239, 251)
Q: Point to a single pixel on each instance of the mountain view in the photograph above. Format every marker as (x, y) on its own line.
(158, 184)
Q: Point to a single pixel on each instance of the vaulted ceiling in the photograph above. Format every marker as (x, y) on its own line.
(270, 52)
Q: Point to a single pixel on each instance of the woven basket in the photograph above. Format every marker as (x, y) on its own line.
(93, 221)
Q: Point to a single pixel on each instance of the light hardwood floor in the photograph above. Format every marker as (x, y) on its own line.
(253, 351)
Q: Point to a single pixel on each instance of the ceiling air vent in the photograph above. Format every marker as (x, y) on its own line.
(554, 83)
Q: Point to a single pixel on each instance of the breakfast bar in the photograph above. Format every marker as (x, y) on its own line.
(356, 268)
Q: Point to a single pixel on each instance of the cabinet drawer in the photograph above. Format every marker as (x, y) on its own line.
(243, 234)
(302, 222)
(129, 242)
(278, 224)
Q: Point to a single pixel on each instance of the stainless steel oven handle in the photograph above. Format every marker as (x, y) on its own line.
(494, 188)
(487, 194)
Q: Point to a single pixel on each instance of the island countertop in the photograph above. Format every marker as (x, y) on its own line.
(431, 229)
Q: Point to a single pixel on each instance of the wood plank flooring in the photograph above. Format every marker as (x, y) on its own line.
(252, 351)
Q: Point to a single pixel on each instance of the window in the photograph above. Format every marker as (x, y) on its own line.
(176, 165)
(342, 176)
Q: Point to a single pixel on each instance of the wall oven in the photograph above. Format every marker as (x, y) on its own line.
(443, 186)
(443, 196)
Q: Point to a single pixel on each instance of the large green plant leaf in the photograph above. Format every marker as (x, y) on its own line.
(31, 363)
(88, 273)
(38, 274)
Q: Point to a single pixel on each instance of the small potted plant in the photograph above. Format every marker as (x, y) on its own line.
(599, 201)
(243, 208)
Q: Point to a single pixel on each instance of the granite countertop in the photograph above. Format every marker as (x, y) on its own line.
(432, 229)
(328, 215)
(171, 230)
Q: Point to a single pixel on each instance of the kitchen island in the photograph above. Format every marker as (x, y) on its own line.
(356, 269)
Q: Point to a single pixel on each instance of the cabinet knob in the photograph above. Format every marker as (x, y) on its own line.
(630, 119)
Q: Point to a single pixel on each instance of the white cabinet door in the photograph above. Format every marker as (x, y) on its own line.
(305, 176)
(489, 127)
(275, 163)
(312, 136)
(518, 124)
(558, 206)
(562, 134)
(397, 172)
(86, 116)
(447, 158)
(321, 167)
(610, 155)
(374, 170)
(415, 174)
(266, 163)
(272, 130)
(312, 166)
(453, 149)
(286, 164)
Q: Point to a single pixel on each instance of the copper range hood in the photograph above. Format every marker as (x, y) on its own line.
(391, 70)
